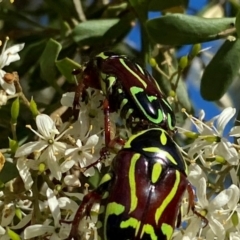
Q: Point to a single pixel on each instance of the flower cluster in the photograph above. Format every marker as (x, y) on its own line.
(214, 161)
(59, 154)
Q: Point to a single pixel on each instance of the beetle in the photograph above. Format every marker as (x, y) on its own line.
(129, 90)
(142, 193)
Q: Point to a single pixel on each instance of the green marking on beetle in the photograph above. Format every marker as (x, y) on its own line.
(106, 178)
(148, 229)
(156, 172)
(136, 120)
(131, 222)
(129, 112)
(131, 139)
(163, 138)
(159, 150)
(157, 85)
(169, 120)
(140, 69)
(105, 195)
(123, 103)
(152, 98)
(120, 90)
(167, 230)
(132, 182)
(111, 80)
(113, 208)
(167, 104)
(135, 136)
(168, 198)
(132, 72)
(102, 55)
(134, 91)
(137, 228)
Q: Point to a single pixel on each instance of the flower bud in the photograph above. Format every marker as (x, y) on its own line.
(12, 235)
(172, 93)
(15, 110)
(212, 138)
(234, 218)
(18, 213)
(58, 187)
(33, 107)
(195, 50)
(152, 62)
(183, 63)
(41, 168)
(220, 159)
(13, 145)
(191, 135)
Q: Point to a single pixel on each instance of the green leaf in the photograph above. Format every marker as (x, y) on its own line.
(95, 179)
(141, 8)
(180, 29)
(87, 32)
(9, 172)
(66, 66)
(47, 62)
(64, 8)
(120, 29)
(159, 5)
(29, 60)
(221, 71)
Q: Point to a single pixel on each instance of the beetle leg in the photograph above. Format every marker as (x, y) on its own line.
(116, 144)
(83, 210)
(86, 205)
(104, 153)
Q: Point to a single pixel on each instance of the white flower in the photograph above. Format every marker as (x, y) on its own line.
(217, 210)
(211, 143)
(8, 214)
(195, 173)
(83, 154)
(24, 171)
(48, 144)
(56, 232)
(90, 113)
(2, 231)
(8, 56)
(234, 236)
(67, 99)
